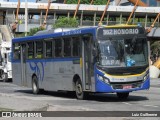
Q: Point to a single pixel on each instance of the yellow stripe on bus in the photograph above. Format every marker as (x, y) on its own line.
(121, 25)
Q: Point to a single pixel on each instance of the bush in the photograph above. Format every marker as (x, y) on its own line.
(65, 22)
(34, 31)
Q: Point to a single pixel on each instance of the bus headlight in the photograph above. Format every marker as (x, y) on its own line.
(145, 77)
(106, 80)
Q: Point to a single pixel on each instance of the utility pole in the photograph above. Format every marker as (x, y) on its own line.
(45, 19)
(100, 22)
(64, 1)
(149, 30)
(75, 13)
(15, 24)
(135, 6)
(91, 2)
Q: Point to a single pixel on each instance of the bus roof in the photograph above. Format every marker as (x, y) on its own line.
(83, 30)
(89, 30)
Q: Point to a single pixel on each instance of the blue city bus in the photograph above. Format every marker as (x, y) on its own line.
(101, 59)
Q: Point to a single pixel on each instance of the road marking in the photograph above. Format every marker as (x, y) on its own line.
(126, 103)
(151, 106)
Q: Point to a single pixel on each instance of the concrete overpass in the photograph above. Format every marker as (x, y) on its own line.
(114, 15)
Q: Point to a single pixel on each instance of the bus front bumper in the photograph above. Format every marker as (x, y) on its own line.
(110, 88)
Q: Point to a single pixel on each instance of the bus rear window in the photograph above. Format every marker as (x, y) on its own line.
(16, 51)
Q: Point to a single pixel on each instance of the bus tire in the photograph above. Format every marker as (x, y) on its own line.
(80, 94)
(4, 77)
(123, 95)
(35, 86)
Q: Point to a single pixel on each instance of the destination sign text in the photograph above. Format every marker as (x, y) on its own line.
(120, 31)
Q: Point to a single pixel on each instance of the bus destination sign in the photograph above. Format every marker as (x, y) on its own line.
(131, 31)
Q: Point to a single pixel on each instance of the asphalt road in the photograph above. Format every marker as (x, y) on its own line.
(21, 98)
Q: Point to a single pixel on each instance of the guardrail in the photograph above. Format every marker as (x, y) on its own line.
(37, 22)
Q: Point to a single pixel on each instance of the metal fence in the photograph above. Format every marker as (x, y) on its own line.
(37, 22)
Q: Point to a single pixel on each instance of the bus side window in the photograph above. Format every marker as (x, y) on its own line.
(30, 50)
(58, 47)
(67, 47)
(39, 49)
(48, 51)
(76, 46)
(16, 51)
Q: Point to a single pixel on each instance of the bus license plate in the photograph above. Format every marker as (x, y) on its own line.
(127, 86)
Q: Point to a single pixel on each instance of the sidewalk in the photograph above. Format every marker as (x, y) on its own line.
(155, 82)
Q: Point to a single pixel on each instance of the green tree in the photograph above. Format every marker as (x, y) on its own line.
(65, 22)
(155, 47)
(34, 31)
(96, 2)
(100, 2)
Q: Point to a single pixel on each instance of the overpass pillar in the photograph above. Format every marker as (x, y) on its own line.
(41, 15)
(81, 21)
(134, 18)
(146, 21)
(14, 15)
(6, 20)
(68, 14)
(94, 22)
(158, 22)
(120, 18)
(107, 18)
(54, 17)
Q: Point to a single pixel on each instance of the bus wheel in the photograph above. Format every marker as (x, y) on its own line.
(4, 77)
(35, 87)
(80, 94)
(123, 95)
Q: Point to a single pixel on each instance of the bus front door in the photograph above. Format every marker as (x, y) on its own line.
(86, 58)
(23, 65)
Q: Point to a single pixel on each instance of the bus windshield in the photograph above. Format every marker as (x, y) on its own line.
(123, 52)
